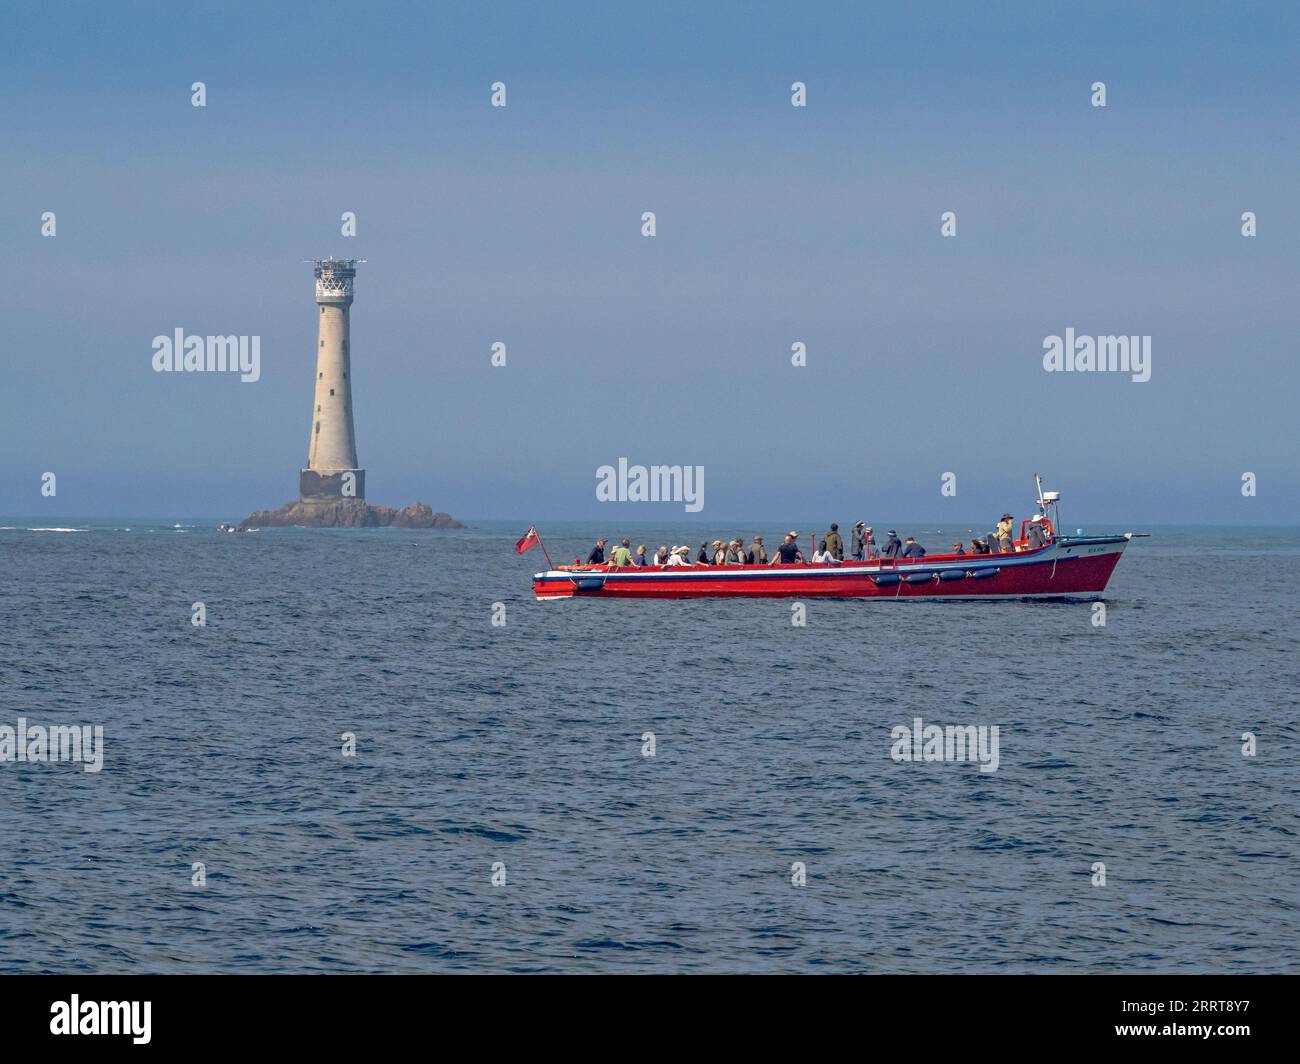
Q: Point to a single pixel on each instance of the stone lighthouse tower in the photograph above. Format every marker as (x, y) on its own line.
(332, 471)
(332, 489)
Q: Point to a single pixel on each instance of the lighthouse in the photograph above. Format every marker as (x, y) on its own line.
(332, 471)
(332, 489)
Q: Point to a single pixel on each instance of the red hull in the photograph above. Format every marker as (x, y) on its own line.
(1067, 568)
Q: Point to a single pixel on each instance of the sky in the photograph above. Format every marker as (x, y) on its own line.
(775, 225)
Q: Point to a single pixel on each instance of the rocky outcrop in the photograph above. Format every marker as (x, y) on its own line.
(349, 513)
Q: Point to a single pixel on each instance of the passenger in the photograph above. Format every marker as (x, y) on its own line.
(834, 543)
(858, 541)
(823, 555)
(639, 559)
(661, 556)
(1005, 537)
(994, 544)
(912, 549)
(1034, 537)
(957, 548)
(597, 555)
(757, 552)
(735, 553)
(703, 557)
(680, 556)
(788, 552)
(719, 552)
(622, 556)
(978, 546)
(892, 545)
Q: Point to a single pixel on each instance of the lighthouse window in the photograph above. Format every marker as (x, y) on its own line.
(322, 343)
(319, 376)
(318, 428)
(331, 391)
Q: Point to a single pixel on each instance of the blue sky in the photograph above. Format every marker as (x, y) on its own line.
(775, 225)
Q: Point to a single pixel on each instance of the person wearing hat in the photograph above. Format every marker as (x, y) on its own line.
(1006, 539)
(719, 552)
(858, 541)
(892, 545)
(757, 552)
(788, 552)
(680, 556)
(957, 548)
(834, 544)
(1034, 536)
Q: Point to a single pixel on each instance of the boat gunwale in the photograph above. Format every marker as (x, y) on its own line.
(869, 567)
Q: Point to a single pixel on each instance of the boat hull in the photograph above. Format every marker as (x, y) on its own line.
(1069, 568)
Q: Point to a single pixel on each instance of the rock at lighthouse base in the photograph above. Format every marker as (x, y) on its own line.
(349, 513)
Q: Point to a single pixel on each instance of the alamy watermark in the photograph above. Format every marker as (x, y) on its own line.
(638, 483)
(58, 742)
(208, 354)
(1098, 354)
(75, 1016)
(952, 742)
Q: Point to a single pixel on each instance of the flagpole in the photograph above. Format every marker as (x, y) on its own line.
(549, 564)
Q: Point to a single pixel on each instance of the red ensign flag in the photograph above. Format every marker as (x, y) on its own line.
(530, 538)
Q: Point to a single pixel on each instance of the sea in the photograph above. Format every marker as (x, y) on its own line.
(378, 753)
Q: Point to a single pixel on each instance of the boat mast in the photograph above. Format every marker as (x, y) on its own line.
(1049, 503)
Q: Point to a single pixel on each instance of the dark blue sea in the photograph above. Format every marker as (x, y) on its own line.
(520, 747)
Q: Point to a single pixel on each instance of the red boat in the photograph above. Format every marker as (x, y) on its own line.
(1064, 567)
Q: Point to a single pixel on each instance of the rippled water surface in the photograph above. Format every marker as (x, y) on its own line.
(522, 744)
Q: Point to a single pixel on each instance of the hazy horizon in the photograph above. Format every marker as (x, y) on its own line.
(758, 524)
